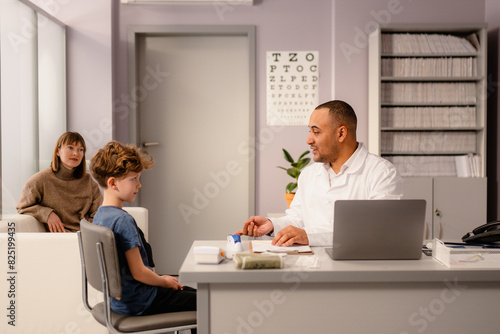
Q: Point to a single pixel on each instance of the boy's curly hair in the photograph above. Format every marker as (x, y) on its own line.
(117, 160)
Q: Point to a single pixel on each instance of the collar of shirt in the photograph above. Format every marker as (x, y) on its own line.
(350, 162)
(346, 164)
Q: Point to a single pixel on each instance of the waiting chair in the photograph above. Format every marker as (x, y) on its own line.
(100, 268)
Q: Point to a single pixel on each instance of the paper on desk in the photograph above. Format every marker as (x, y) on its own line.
(308, 262)
(261, 246)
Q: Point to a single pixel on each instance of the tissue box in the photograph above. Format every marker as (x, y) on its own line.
(466, 256)
(208, 254)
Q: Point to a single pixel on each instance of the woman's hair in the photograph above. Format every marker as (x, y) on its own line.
(117, 160)
(70, 138)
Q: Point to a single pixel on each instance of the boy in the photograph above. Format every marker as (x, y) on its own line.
(117, 168)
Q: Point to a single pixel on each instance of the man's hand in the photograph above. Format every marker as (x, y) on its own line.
(54, 223)
(256, 226)
(291, 235)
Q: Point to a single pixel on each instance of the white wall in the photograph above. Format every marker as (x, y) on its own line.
(354, 20)
(18, 90)
(300, 25)
(89, 67)
(282, 25)
(351, 67)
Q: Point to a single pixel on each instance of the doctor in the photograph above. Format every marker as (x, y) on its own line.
(343, 169)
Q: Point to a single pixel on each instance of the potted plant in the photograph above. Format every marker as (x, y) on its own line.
(293, 171)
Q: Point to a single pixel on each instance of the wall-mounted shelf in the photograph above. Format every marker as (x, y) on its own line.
(427, 93)
(427, 115)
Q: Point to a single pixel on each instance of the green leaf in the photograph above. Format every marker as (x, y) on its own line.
(303, 154)
(291, 187)
(287, 155)
(302, 163)
(296, 167)
(293, 172)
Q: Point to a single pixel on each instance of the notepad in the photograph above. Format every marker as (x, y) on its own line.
(261, 246)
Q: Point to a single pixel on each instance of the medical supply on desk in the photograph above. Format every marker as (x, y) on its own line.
(233, 245)
(208, 254)
(258, 261)
(457, 255)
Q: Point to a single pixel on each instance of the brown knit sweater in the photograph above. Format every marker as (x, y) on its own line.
(70, 198)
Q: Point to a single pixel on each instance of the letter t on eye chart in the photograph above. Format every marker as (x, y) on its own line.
(292, 86)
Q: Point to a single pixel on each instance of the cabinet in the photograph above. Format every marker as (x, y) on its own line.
(427, 115)
(454, 205)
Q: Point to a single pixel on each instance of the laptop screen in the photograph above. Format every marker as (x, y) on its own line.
(386, 229)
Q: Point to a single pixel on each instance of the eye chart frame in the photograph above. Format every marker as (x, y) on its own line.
(292, 86)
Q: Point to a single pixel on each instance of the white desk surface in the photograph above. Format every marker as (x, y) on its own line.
(424, 270)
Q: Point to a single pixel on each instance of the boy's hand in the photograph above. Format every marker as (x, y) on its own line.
(172, 282)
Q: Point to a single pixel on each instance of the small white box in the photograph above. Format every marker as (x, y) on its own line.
(466, 256)
(208, 254)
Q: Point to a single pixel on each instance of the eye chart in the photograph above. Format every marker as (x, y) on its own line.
(292, 86)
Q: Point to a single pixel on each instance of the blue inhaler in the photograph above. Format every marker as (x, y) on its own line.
(233, 245)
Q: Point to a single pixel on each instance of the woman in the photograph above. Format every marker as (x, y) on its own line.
(61, 195)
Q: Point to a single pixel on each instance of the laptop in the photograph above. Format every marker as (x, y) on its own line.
(385, 229)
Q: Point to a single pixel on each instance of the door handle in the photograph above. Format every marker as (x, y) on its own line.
(440, 226)
(152, 143)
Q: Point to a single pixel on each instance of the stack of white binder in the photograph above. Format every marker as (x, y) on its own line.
(468, 165)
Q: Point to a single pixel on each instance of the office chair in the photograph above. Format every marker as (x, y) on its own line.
(100, 268)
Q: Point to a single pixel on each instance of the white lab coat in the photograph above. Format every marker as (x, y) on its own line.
(366, 176)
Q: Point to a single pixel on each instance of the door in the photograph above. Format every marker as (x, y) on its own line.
(197, 123)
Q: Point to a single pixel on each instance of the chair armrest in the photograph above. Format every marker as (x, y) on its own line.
(140, 215)
(23, 223)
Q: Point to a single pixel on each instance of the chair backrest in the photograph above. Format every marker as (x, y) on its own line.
(91, 235)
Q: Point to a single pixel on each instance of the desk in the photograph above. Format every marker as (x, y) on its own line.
(400, 297)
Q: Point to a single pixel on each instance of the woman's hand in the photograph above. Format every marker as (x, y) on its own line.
(55, 224)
